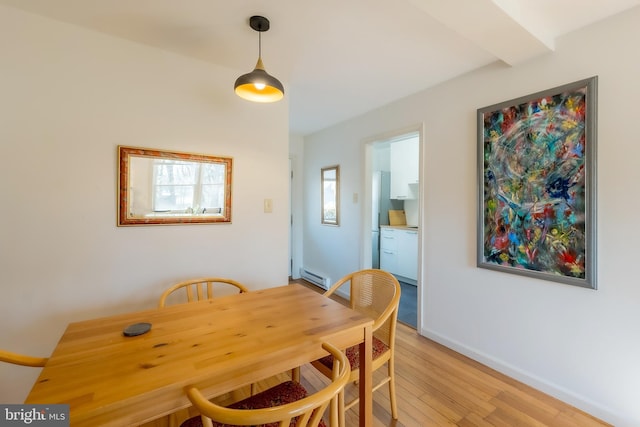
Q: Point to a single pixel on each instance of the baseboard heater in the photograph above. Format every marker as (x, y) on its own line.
(315, 278)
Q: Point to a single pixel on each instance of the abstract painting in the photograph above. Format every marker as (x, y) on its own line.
(536, 192)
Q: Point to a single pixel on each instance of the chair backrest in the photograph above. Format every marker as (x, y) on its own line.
(308, 410)
(201, 289)
(375, 293)
(21, 359)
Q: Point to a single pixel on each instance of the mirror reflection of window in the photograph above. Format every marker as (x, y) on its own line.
(183, 186)
(166, 187)
(330, 177)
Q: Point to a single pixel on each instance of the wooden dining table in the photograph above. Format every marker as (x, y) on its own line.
(218, 345)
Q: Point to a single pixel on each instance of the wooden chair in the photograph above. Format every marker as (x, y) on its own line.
(21, 359)
(285, 405)
(201, 289)
(375, 293)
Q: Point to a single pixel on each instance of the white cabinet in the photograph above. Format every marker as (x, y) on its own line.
(388, 257)
(407, 253)
(399, 252)
(405, 169)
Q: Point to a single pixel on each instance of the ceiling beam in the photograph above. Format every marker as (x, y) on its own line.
(494, 25)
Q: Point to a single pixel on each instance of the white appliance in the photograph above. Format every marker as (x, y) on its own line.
(381, 203)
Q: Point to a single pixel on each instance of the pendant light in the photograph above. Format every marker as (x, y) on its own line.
(258, 85)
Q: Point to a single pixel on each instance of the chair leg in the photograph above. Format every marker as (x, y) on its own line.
(295, 374)
(341, 410)
(392, 390)
(333, 413)
(337, 417)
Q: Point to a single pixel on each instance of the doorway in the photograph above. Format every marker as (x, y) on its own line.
(392, 206)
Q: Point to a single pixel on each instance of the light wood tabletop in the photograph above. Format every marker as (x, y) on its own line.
(218, 346)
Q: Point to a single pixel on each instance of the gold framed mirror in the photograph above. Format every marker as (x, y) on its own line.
(330, 195)
(157, 187)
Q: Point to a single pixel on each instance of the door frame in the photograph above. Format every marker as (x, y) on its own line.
(367, 170)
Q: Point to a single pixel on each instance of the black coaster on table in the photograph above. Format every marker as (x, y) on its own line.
(136, 329)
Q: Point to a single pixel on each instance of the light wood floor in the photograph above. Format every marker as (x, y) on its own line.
(439, 387)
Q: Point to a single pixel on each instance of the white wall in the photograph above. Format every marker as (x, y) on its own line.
(69, 97)
(296, 159)
(332, 251)
(578, 344)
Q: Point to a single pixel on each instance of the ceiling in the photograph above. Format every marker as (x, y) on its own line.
(340, 58)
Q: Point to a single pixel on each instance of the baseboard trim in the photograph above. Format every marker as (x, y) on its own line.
(538, 383)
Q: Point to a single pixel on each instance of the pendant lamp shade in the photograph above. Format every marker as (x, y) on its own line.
(258, 85)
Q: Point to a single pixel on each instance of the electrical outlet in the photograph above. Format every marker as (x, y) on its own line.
(268, 206)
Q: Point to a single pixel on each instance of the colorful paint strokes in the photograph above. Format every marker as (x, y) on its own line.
(534, 195)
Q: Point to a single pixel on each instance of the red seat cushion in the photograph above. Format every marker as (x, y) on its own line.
(286, 392)
(353, 354)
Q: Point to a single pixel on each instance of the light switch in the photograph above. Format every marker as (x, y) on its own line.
(355, 197)
(268, 206)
